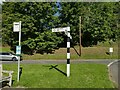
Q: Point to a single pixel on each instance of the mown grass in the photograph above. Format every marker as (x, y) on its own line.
(96, 52)
(43, 76)
(87, 53)
(5, 49)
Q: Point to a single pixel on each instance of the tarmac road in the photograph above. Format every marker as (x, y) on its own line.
(100, 61)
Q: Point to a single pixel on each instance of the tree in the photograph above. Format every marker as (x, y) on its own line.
(99, 21)
(37, 20)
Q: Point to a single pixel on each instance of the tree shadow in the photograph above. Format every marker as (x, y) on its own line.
(20, 72)
(76, 50)
(108, 53)
(72, 45)
(4, 84)
(55, 67)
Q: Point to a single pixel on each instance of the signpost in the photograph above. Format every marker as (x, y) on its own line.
(80, 35)
(17, 28)
(67, 32)
(111, 50)
(61, 29)
(18, 50)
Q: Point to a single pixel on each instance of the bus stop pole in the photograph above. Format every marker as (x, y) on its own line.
(18, 78)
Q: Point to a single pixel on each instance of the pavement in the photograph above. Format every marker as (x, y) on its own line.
(114, 72)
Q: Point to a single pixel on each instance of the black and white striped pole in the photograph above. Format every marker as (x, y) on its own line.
(68, 52)
(67, 32)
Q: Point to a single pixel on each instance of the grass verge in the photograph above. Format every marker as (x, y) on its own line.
(87, 53)
(100, 51)
(44, 76)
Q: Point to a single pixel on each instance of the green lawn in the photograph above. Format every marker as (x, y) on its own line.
(43, 76)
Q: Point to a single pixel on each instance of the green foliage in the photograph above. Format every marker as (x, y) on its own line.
(99, 21)
(37, 20)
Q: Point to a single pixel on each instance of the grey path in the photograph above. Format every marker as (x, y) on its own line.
(114, 72)
(99, 61)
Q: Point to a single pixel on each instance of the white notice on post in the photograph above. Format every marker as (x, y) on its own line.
(16, 27)
(111, 49)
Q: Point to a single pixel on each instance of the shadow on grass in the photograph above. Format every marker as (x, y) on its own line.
(76, 50)
(55, 67)
(107, 53)
(4, 84)
(20, 73)
(21, 69)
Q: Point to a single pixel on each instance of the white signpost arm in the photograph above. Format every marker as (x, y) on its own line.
(66, 32)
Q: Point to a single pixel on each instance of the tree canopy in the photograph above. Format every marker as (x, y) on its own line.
(37, 20)
(99, 23)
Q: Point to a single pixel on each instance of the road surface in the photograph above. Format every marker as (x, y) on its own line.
(100, 61)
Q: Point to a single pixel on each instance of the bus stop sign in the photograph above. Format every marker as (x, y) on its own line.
(18, 50)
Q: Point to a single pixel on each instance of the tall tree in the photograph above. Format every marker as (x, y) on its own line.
(99, 20)
(37, 20)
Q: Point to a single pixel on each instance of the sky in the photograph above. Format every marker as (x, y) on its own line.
(0, 1)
